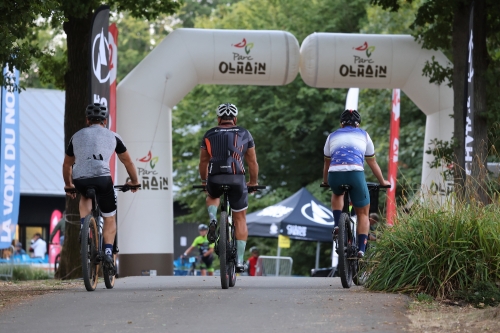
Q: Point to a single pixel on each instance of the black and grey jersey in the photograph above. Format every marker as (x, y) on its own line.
(92, 148)
(227, 147)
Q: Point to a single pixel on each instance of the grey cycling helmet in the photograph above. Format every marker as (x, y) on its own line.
(202, 227)
(96, 111)
(227, 110)
(350, 117)
(254, 249)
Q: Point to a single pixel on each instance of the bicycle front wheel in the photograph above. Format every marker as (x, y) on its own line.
(223, 253)
(344, 244)
(89, 248)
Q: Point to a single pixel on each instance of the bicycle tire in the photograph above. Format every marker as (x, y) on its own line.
(232, 264)
(109, 275)
(56, 262)
(345, 268)
(89, 248)
(224, 278)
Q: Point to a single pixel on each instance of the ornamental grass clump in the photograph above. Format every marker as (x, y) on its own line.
(445, 252)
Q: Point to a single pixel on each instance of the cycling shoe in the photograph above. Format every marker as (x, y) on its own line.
(241, 267)
(108, 261)
(211, 236)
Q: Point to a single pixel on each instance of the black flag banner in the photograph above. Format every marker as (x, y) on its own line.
(100, 57)
(469, 96)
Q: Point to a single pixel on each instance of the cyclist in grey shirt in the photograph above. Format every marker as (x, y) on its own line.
(86, 164)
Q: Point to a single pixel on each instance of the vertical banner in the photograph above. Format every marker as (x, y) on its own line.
(393, 156)
(54, 249)
(113, 67)
(9, 160)
(99, 57)
(469, 95)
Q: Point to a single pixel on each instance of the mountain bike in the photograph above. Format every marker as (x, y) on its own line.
(346, 242)
(91, 242)
(225, 244)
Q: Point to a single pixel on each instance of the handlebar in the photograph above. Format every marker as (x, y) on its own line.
(123, 188)
(250, 188)
(370, 186)
(126, 187)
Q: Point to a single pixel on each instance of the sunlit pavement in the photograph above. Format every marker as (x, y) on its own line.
(198, 304)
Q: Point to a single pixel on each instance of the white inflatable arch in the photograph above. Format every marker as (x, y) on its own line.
(146, 96)
(332, 60)
(188, 57)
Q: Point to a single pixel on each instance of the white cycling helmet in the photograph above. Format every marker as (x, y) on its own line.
(228, 110)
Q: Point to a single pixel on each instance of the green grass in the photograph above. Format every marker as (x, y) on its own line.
(26, 272)
(450, 251)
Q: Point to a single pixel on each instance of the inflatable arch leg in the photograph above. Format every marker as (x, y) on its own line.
(185, 58)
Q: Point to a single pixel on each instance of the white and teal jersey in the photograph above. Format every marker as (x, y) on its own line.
(347, 148)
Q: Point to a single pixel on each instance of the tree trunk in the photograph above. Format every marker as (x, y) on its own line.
(477, 185)
(459, 46)
(77, 91)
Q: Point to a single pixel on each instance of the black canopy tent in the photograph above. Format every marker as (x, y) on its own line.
(300, 217)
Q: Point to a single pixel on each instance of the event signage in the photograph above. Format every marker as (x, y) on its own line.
(363, 60)
(469, 95)
(100, 59)
(283, 242)
(9, 159)
(113, 67)
(240, 55)
(149, 177)
(393, 156)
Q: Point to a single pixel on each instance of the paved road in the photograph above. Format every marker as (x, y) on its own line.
(197, 304)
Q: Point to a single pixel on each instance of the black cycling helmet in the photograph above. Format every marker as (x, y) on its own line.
(202, 227)
(350, 117)
(96, 111)
(227, 110)
(254, 249)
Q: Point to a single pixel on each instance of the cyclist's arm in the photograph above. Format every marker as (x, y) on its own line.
(203, 166)
(188, 250)
(67, 170)
(130, 167)
(209, 252)
(326, 166)
(372, 163)
(253, 166)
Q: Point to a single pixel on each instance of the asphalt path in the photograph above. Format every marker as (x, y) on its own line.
(198, 304)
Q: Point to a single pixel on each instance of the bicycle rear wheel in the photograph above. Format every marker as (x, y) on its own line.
(89, 248)
(223, 253)
(109, 274)
(232, 258)
(344, 243)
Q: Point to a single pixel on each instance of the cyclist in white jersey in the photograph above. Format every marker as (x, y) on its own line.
(86, 164)
(345, 151)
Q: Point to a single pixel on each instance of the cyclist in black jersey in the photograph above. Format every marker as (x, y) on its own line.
(86, 164)
(223, 151)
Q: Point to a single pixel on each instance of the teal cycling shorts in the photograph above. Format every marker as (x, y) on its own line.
(359, 194)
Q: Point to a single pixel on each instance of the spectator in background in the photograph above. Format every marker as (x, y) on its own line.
(61, 227)
(252, 261)
(19, 249)
(38, 246)
(373, 218)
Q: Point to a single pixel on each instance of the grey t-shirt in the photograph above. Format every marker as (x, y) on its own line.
(93, 147)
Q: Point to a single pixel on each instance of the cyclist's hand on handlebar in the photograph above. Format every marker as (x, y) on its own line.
(72, 195)
(133, 189)
(249, 184)
(387, 183)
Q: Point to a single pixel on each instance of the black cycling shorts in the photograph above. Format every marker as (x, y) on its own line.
(238, 192)
(105, 193)
(206, 262)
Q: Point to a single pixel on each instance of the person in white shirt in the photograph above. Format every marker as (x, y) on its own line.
(38, 246)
